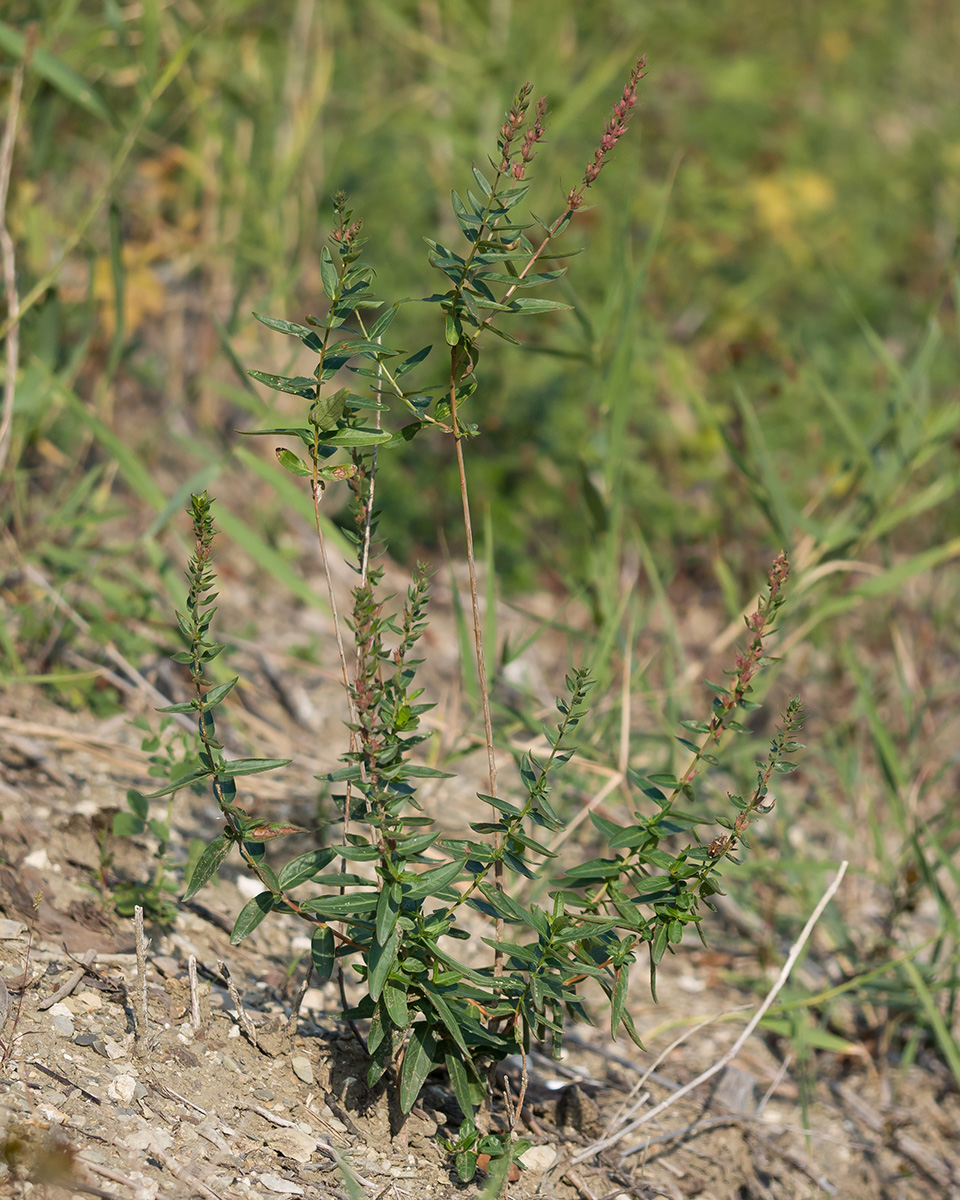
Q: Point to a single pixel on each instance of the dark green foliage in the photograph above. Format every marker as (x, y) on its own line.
(395, 919)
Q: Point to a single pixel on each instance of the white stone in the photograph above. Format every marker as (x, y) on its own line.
(38, 860)
(302, 1068)
(150, 1140)
(114, 1049)
(276, 1183)
(539, 1158)
(293, 1143)
(122, 1089)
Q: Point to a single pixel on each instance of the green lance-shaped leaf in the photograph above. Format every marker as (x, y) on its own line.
(328, 273)
(430, 882)
(307, 336)
(292, 463)
(418, 1061)
(617, 1000)
(322, 952)
(468, 1090)
(208, 864)
(326, 411)
(383, 958)
(395, 1001)
(251, 915)
(305, 867)
(251, 766)
(296, 385)
(388, 909)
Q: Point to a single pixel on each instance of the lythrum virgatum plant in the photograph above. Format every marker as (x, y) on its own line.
(394, 890)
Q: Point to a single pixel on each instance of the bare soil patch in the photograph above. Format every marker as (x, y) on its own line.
(256, 1101)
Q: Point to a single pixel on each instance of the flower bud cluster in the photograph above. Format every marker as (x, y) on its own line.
(613, 131)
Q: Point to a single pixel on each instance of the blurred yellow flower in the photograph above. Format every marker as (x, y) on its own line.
(788, 200)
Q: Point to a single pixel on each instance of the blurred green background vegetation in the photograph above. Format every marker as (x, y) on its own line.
(764, 259)
(763, 350)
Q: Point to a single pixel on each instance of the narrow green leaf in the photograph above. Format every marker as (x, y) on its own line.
(388, 909)
(341, 906)
(460, 1082)
(251, 915)
(307, 336)
(296, 385)
(418, 1061)
(293, 463)
(207, 864)
(305, 867)
(617, 1000)
(185, 781)
(383, 958)
(251, 766)
(216, 694)
(446, 1015)
(356, 437)
(322, 952)
(56, 72)
(430, 882)
(394, 998)
(523, 305)
(328, 273)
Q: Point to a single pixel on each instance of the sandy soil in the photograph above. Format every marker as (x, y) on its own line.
(241, 1098)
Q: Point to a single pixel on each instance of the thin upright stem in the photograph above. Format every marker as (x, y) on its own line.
(477, 637)
(8, 261)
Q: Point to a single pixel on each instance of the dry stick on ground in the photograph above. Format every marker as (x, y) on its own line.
(605, 1143)
(194, 991)
(242, 1016)
(142, 1023)
(71, 982)
(624, 1116)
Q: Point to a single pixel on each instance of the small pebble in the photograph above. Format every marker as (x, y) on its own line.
(122, 1089)
(63, 1026)
(114, 1049)
(263, 1093)
(539, 1158)
(276, 1183)
(293, 1143)
(302, 1068)
(166, 965)
(150, 1140)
